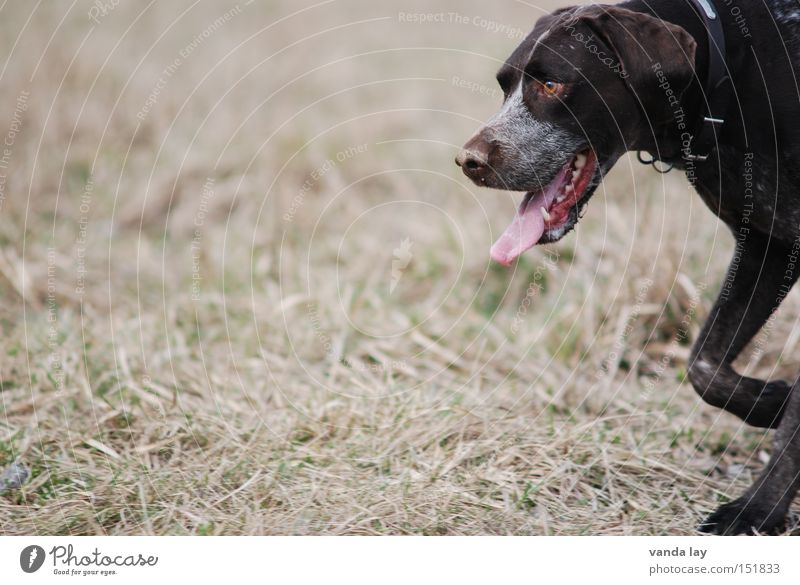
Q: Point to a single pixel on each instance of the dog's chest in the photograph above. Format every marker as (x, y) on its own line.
(751, 192)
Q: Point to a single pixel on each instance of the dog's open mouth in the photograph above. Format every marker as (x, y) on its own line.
(545, 215)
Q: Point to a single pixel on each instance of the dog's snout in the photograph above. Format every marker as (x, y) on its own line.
(474, 158)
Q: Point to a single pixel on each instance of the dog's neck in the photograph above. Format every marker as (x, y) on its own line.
(667, 137)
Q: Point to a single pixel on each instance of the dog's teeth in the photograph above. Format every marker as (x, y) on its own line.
(580, 161)
(545, 214)
(560, 198)
(569, 188)
(575, 175)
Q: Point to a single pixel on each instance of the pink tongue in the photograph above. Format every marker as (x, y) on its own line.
(523, 233)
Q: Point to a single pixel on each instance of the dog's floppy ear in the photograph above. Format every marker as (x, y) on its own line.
(646, 47)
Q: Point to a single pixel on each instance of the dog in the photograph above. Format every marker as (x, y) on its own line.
(709, 87)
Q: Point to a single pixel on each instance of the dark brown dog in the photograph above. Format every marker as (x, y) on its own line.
(591, 83)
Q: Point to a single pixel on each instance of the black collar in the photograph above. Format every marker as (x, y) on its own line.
(717, 89)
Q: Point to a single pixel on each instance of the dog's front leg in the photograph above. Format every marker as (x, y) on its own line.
(756, 283)
(764, 506)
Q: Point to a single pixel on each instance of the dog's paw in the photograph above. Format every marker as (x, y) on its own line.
(745, 516)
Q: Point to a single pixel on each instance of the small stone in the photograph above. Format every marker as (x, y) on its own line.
(13, 477)
(735, 470)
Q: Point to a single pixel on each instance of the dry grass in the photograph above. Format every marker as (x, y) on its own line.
(231, 369)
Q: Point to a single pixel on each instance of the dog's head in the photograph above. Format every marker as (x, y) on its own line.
(584, 87)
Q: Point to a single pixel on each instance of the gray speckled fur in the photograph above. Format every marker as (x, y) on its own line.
(527, 146)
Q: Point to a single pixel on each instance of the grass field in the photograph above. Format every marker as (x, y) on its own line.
(247, 291)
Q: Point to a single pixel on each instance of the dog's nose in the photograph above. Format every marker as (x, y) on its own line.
(474, 159)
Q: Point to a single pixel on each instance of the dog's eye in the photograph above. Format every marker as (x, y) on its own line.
(550, 87)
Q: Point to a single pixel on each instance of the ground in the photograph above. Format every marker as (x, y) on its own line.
(247, 291)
